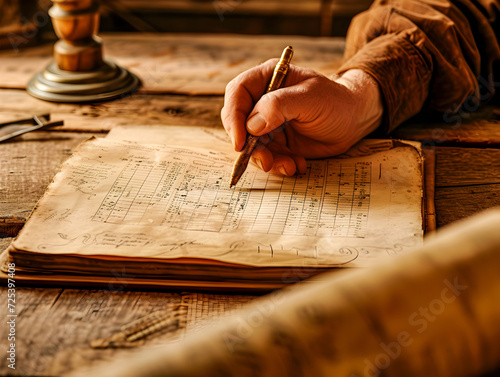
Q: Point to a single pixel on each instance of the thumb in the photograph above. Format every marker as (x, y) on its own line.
(272, 110)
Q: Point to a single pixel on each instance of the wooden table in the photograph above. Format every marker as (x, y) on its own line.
(55, 326)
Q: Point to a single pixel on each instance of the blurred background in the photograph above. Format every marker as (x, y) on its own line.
(26, 22)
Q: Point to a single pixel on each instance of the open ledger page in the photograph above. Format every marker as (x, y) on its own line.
(118, 198)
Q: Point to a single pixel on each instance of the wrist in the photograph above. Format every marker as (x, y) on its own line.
(368, 101)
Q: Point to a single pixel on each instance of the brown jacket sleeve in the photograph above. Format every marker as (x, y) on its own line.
(426, 53)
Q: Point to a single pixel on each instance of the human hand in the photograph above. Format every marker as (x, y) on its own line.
(311, 117)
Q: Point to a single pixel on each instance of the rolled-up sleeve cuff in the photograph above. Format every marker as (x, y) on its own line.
(402, 72)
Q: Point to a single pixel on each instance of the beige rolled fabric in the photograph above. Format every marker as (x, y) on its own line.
(431, 312)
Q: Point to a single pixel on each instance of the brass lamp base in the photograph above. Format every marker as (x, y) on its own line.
(78, 72)
(107, 82)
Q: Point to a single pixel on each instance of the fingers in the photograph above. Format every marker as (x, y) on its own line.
(285, 104)
(284, 165)
(241, 95)
(300, 163)
(246, 110)
(244, 99)
(278, 163)
(263, 158)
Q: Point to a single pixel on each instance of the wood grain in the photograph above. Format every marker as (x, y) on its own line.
(55, 326)
(183, 63)
(467, 182)
(28, 165)
(4, 242)
(480, 128)
(467, 166)
(458, 202)
(137, 109)
(10, 226)
(156, 109)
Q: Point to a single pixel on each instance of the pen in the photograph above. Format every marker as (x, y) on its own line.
(279, 74)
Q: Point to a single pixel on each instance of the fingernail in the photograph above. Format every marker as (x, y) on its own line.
(282, 170)
(256, 123)
(258, 163)
(232, 141)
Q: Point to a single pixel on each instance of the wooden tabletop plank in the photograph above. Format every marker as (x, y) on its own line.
(458, 202)
(467, 166)
(183, 63)
(55, 327)
(467, 182)
(28, 165)
(137, 109)
(479, 128)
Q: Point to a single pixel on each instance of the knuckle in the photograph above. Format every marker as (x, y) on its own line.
(274, 100)
(277, 106)
(231, 85)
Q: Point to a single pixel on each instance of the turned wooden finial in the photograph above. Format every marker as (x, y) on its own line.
(79, 73)
(76, 23)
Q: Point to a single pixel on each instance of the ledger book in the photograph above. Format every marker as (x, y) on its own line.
(149, 215)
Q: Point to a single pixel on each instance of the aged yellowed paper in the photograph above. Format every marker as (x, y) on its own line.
(130, 200)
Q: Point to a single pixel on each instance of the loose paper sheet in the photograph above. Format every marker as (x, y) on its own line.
(119, 198)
